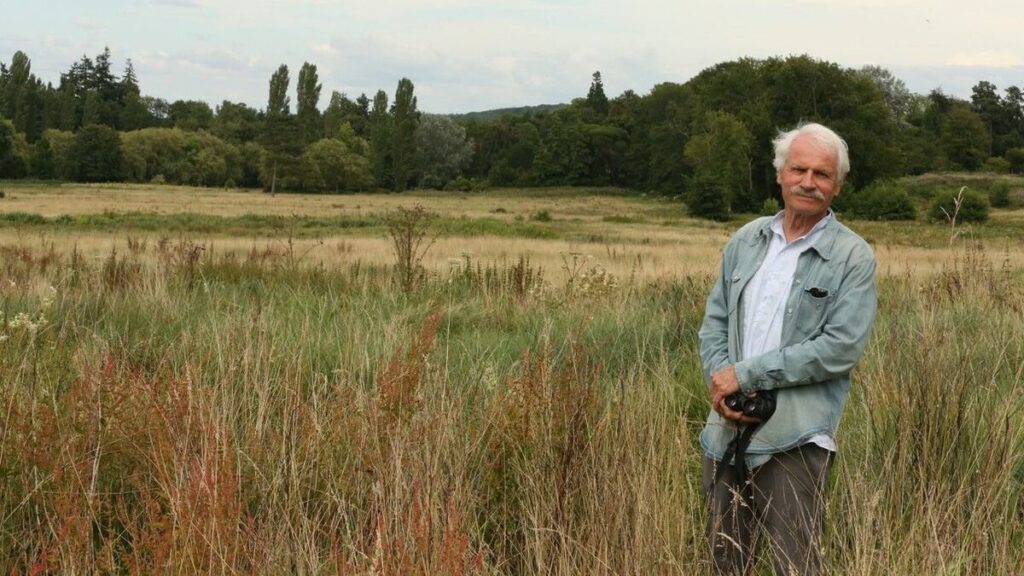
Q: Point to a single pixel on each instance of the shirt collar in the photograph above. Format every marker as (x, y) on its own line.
(775, 225)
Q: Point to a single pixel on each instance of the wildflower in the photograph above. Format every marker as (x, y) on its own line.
(20, 320)
(48, 298)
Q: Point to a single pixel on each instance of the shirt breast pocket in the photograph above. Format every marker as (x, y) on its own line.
(812, 310)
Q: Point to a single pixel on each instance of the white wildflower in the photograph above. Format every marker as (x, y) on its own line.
(20, 320)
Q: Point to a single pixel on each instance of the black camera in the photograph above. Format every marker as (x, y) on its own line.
(760, 405)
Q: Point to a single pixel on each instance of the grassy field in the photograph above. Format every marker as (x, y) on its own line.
(205, 381)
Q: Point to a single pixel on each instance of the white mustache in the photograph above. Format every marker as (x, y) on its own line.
(812, 193)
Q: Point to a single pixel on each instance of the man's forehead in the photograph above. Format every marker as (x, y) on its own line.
(807, 144)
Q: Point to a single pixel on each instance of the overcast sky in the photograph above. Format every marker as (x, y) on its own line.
(466, 55)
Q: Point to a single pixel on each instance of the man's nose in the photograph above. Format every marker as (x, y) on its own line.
(807, 181)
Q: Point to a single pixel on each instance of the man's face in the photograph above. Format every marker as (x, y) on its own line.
(809, 179)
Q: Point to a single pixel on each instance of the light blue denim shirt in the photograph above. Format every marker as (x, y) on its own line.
(829, 312)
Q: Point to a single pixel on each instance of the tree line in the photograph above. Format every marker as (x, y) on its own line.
(706, 140)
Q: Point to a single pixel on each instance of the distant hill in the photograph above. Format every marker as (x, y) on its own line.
(487, 115)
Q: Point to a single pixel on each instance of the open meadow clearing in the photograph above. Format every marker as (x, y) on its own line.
(200, 380)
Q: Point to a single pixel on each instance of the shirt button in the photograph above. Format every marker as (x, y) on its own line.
(789, 311)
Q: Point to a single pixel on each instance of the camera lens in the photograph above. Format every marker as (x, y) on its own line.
(736, 402)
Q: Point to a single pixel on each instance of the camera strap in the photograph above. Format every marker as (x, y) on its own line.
(737, 452)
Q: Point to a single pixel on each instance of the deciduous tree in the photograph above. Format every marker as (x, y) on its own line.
(308, 91)
(720, 153)
(403, 137)
(380, 123)
(441, 150)
(97, 154)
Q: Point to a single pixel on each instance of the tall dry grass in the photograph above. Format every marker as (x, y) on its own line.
(172, 409)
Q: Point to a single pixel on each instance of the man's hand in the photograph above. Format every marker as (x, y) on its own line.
(725, 383)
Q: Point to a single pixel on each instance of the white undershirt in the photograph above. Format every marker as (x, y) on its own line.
(764, 298)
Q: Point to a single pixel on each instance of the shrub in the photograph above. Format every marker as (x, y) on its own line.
(706, 199)
(996, 165)
(1015, 157)
(463, 184)
(882, 201)
(965, 205)
(999, 194)
(770, 207)
(409, 230)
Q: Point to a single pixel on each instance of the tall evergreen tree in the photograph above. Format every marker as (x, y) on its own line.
(403, 143)
(108, 101)
(129, 82)
(73, 87)
(596, 99)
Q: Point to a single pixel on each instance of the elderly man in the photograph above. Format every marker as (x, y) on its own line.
(787, 320)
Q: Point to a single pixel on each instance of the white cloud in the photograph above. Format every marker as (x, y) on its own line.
(324, 49)
(88, 23)
(986, 59)
(175, 3)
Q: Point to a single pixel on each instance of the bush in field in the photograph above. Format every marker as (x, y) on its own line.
(999, 194)
(408, 229)
(210, 161)
(154, 151)
(463, 184)
(1015, 156)
(706, 198)
(51, 156)
(197, 158)
(965, 205)
(250, 154)
(996, 165)
(882, 201)
(330, 165)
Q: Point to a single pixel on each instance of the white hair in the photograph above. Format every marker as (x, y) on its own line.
(823, 137)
